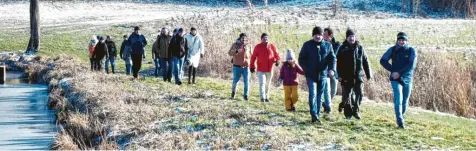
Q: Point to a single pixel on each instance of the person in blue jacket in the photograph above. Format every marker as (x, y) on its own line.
(137, 42)
(318, 60)
(404, 60)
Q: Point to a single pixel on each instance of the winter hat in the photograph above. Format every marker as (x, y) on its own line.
(136, 28)
(193, 28)
(317, 30)
(264, 35)
(242, 35)
(180, 30)
(402, 35)
(290, 54)
(349, 32)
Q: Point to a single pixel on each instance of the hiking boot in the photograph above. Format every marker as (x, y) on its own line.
(401, 127)
(316, 121)
(357, 115)
(341, 107)
(293, 109)
(262, 100)
(179, 83)
(232, 95)
(245, 97)
(267, 100)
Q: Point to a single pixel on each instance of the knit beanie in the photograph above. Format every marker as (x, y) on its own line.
(317, 30)
(290, 54)
(402, 35)
(349, 32)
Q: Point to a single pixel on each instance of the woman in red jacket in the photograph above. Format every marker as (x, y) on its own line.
(266, 55)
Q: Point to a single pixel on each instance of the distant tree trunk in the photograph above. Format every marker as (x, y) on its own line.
(34, 42)
(336, 7)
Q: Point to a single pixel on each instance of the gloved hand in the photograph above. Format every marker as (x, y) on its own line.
(252, 70)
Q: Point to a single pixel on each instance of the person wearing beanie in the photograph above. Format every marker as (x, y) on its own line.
(195, 52)
(404, 60)
(137, 42)
(317, 59)
(91, 46)
(352, 63)
(331, 86)
(112, 51)
(100, 52)
(241, 53)
(289, 77)
(178, 51)
(265, 56)
(125, 54)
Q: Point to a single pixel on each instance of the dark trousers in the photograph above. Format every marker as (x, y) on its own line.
(98, 64)
(192, 71)
(352, 105)
(136, 65)
(93, 63)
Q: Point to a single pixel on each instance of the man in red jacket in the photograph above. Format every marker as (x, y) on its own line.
(266, 55)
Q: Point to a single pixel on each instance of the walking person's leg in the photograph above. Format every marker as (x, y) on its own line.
(312, 99)
(156, 69)
(163, 66)
(194, 74)
(321, 85)
(262, 81)
(287, 97)
(358, 99)
(246, 81)
(176, 69)
(346, 101)
(106, 65)
(136, 64)
(397, 100)
(181, 62)
(294, 97)
(190, 70)
(170, 64)
(113, 64)
(407, 90)
(236, 78)
(327, 98)
(91, 60)
(269, 76)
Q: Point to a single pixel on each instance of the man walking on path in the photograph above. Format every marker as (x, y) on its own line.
(331, 86)
(404, 60)
(112, 51)
(196, 51)
(179, 50)
(100, 52)
(351, 63)
(266, 55)
(317, 59)
(137, 43)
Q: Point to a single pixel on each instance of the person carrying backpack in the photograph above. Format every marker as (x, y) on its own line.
(404, 60)
(137, 42)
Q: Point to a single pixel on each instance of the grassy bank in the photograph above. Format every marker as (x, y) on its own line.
(152, 114)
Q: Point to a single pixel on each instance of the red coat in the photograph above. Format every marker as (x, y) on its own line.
(266, 54)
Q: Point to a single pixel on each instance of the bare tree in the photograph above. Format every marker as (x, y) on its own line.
(336, 7)
(34, 42)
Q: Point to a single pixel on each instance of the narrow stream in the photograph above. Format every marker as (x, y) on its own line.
(26, 123)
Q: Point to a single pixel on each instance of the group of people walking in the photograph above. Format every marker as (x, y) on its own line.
(324, 61)
(170, 51)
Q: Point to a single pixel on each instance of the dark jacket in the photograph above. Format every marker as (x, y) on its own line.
(335, 45)
(404, 60)
(163, 43)
(178, 47)
(316, 59)
(137, 43)
(352, 62)
(100, 51)
(111, 48)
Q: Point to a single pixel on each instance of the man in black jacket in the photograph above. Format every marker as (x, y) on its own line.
(112, 51)
(351, 63)
(178, 50)
(100, 52)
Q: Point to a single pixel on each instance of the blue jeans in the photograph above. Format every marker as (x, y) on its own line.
(316, 90)
(237, 73)
(329, 93)
(166, 66)
(111, 59)
(157, 67)
(401, 94)
(178, 68)
(128, 69)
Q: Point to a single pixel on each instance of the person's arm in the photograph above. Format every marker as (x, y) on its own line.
(281, 73)
(331, 60)
(412, 64)
(122, 50)
(339, 62)
(366, 64)
(107, 51)
(154, 48)
(384, 61)
(303, 57)
(253, 57)
(299, 69)
(233, 51)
